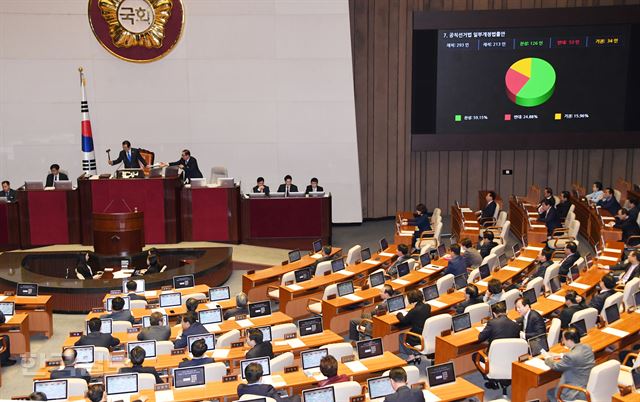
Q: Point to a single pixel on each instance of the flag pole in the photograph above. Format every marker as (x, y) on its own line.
(88, 153)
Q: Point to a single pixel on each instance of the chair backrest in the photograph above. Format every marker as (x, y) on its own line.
(354, 254)
(498, 250)
(574, 229)
(553, 336)
(630, 289)
(120, 326)
(510, 298)
(537, 284)
(589, 315)
(615, 298)
(478, 311)
(475, 274)
(618, 194)
(225, 340)
(76, 387)
(497, 211)
(437, 213)
(247, 397)
(502, 353)
(137, 304)
(436, 231)
(572, 209)
(217, 172)
(164, 347)
(603, 381)
(504, 233)
(343, 391)
(552, 271)
(102, 353)
(329, 291)
(146, 381)
(213, 372)
(492, 260)
(413, 374)
(148, 156)
(323, 267)
(444, 283)
(288, 277)
(280, 330)
(433, 327)
(581, 263)
(279, 362)
(571, 216)
(339, 350)
(502, 218)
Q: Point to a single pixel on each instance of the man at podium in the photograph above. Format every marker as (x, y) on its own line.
(189, 166)
(55, 175)
(130, 157)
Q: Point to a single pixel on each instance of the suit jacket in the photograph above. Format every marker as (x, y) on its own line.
(98, 339)
(71, 372)
(575, 366)
(473, 257)
(612, 205)
(135, 296)
(85, 270)
(123, 315)
(488, 210)
(292, 188)
(563, 209)
(195, 329)
(232, 312)
(310, 189)
(422, 222)
(619, 270)
(566, 265)
(61, 176)
(461, 306)
(633, 213)
(263, 349)
(191, 170)
(597, 301)
(551, 220)
(629, 228)
(405, 394)
(500, 327)
(9, 195)
(552, 199)
(567, 314)
(196, 362)
(256, 190)
(542, 269)
(141, 369)
(393, 269)
(485, 248)
(133, 163)
(415, 318)
(457, 266)
(153, 269)
(535, 325)
(155, 333)
(264, 390)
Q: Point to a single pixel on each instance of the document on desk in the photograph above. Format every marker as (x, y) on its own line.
(164, 396)
(296, 343)
(556, 298)
(512, 269)
(407, 232)
(400, 282)
(465, 210)
(383, 254)
(372, 262)
(612, 250)
(538, 226)
(345, 273)
(427, 271)
(615, 332)
(429, 396)
(245, 323)
(294, 287)
(607, 258)
(435, 267)
(275, 380)
(212, 327)
(480, 328)
(353, 297)
(220, 353)
(316, 256)
(537, 363)
(471, 228)
(436, 304)
(212, 305)
(356, 366)
(150, 294)
(2, 298)
(281, 343)
(533, 248)
(579, 285)
(482, 283)
(525, 259)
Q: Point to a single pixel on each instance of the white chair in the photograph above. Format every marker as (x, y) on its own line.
(478, 311)
(413, 374)
(497, 364)
(218, 172)
(551, 272)
(248, 397)
(343, 391)
(164, 347)
(553, 336)
(603, 382)
(615, 298)
(120, 326)
(473, 276)
(101, 353)
(137, 304)
(314, 306)
(630, 289)
(273, 292)
(322, 268)
(537, 284)
(225, 340)
(354, 255)
(625, 378)
(280, 330)
(503, 235)
(617, 194)
(76, 387)
(570, 234)
(492, 260)
(589, 315)
(146, 381)
(437, 214)
(498, 250)
(444, 283)
(339, 350)
(434, 326)
(510, 298)
(430, 237)
(213, 372)
(279, 362)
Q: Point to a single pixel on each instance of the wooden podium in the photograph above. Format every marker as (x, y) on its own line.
(119, 233)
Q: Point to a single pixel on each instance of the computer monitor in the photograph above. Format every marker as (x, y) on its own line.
(376, 279)
(146, 321)
(8, 308)
(433, 253)
(403, 269)
(209, 339)
(383, 244)
(441, 374)
(263, 361)
(635, 375)
(126, 303)
(365, 254)
(530, 296)
(140, 286)
(259, 309)
(554, 284)
(33, 185)
(430, 292)
(369, 348)
(317, 246)
(170, 299)
(460, 281)
(210, 316)
(148, 346)
(27, 289)
(500, 303)
(581, 326)
(219, 293)
(612, 313)
(183, 281)
(345, 288)
(53, 389)
(484, 270)
(379, 387)
(188, 377)
(302, 275)
(574, 272)
(636, 299)
(310, 326)
(105, 327)
(84, 354)
(395, 303)
(266, 333)
(198, 182)
(442, 250)
(425, 259)
(337, 265)
(325, 394)
(294, 256)
(516, 249)
(502, 260)
(537, 344)
(311, 358)
(461, 322)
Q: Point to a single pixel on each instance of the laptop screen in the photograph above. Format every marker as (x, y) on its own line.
(294, 256)
(212, 316)
(105, 327)
(311, 358)
(219, 293)
(263, 361)
(266, 333)
(441, 374)
(8, 308)
(442, 250)
(530, 296)
(383, 244)
(27, 289)
(54, 389)
(395, 303)
(126, 303)
(140, 287)
(188, 377)
(460, 281)
(636, 298)
(121, 384)
(376, 279)
(612, 313)
(148, 346)
(366, 254)
(430, 292)
(259, 309)
(379, 387)
(209, 339)
(485, 271)
(461, 322)
(403, 269)
(310, 326)
(575, 272)
(537, 344)
(345, 288)
(636, 379)
(183, 281)
(515, 249)
(325, 394)
(170, 299)
(581, 326)
(369, 348)
(554, 284)
(84, 354)
(302, 275)
(317, 246)
(146, 321)
(425, 259)
(337, 265)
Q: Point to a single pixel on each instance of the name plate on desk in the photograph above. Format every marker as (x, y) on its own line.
(53, 363)
(230, 378)
(75, 333)
(176, 352)
(133, 330)
(162, 387)
(129, 174)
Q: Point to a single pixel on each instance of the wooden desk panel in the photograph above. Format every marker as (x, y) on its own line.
(39, 310)
(49, 217)
(17, 328)
(9, 225)
(210, 214)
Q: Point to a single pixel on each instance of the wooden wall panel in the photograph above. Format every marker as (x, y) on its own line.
(395, 178)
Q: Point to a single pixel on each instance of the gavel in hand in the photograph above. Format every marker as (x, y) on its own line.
(109, 155)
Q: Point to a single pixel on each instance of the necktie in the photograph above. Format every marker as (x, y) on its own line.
(627, 274)
(287, 191)
(129, 156)
(55, 178)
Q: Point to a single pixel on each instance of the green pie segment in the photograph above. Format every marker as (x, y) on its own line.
(530, 82)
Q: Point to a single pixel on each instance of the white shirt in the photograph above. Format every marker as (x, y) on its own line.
(627, 274)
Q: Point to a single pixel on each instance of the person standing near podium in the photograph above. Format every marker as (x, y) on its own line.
(130, 156)
(189, 166)
(287, 187)
(55, 175)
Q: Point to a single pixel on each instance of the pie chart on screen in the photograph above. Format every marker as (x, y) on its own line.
(530, 82)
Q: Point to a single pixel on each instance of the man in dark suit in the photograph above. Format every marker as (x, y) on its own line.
(549, 215)
(544, 261)
(489, 209)
(531, 321)
(471, 296)
(131, 291)
(403, 253)
(55, 175)
(97, 338)
(117, 311)
(563, 206)
(421, 220)
(241, 306)
(629, 228)
(573, 303)
(190, 326)
(259, 348)
(5, 357)
(260, 187)
(609, 202)
(198, 348)
(548, 195)
(607, 285)
(415, 319)
(137, 356)
(130, 156)
(69, 371)
(7, 192)
(571, 255)
(633, 210)
(403, 393)
(314, 187)
(156, 331)
(189, 166)
(253, 374)
(359, 330)
(486, 244)
(287, 187)
(628, 270)
(457, 264)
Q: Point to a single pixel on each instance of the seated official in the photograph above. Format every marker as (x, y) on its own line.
(403, 393)
(190, 305)
(627, 270)
(7, 192)
(137, 356)
(531, 321)
(68, 370)
(632, 211)
(494, 292)
(629, 228)
(131, 291)
(563, 206)
(325, 255)
(573, 303)
(329, 369)
(95, 393)
(129, 156)
(364, 330)
(489, 209)
(543, 261)
(596, 192)
(97, 338)
(471, 255)
(574, 365)
(548, 195)
(471, 296)
(486, 244)
(117, 311)
(415, 319)
(571, 257)
(549, 215)
(153, 264)
(260, 187)
(609, 201)
(155, 331)
(190, 326)
(55, 175)
(241, 306)
(457, 264)
(314, 187)
(84, 269)
(421, 221)
(607, 286)
(287, 187)
(198, 349)
(402, 251)
(259, 347)
(254, 385)
(5, 357)
(189, 166)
